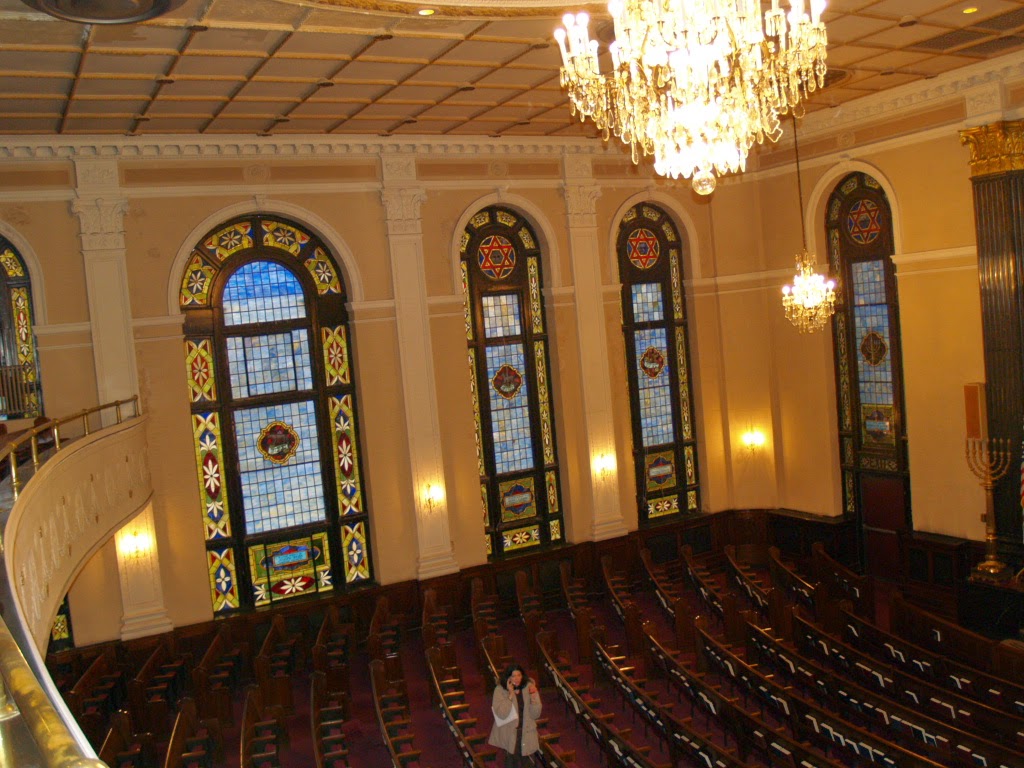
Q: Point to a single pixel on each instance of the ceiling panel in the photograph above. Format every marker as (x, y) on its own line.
(39, 86)
(217, 66)
(107, 86)
(135, 37)
(99, 63)
(106, 106)
(38, 61)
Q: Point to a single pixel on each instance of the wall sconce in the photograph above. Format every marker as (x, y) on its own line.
(603, 465)
(753, 439)
(433, 495)
(134, 544)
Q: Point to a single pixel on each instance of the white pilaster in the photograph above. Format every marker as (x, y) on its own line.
(402, 198)
(142, 595)
(100, 208)
(581, 194)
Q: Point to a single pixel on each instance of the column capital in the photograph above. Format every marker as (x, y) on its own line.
(995, 148)
(101, 220)
(402, 208)
(581, 203)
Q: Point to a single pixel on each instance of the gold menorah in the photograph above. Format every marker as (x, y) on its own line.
(989, 461)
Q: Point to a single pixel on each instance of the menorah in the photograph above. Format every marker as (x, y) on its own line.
(989, 460)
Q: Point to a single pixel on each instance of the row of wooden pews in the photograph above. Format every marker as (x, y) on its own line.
(598, 723)
(194, 743)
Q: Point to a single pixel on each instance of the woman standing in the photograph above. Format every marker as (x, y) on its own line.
(516, 707)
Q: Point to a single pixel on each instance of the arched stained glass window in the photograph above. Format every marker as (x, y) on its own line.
(869, 373)
(661, 396)
(274, 418)
(20, 393)
(510, 368)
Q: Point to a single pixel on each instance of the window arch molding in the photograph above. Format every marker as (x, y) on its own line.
(535, 217)
(35, 271)
(679, 216)
(316, 225)
(823, 188)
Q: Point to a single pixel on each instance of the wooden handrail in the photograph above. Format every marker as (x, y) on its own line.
(10, 450)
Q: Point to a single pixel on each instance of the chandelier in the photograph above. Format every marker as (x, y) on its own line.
(810, 301)
(695, 83)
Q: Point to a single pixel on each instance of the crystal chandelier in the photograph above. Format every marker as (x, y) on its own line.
(810, 301)
(694, 82)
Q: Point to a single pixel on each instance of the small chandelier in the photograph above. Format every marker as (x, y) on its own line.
(810, 301)
(695, 83)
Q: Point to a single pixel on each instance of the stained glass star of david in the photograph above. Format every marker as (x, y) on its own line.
(643, 249)
(497, 257)
(862, 222)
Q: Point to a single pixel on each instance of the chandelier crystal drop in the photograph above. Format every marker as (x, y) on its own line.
(810, 301)
(694, 83)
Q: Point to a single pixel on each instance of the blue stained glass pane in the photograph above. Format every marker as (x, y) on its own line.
(647, 305)
(874, 381)
(262, 292)
(276, 495)
(653, 382)
(501, 315)
(869, 282)
(510, 416)
(277, 362)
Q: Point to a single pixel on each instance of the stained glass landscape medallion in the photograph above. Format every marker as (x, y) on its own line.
(507, 382)
(277, 442)
(517, 499)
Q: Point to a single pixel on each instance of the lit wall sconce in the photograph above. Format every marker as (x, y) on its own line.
(433, 495)
(753, 439)
(134, 544)
(603, 465)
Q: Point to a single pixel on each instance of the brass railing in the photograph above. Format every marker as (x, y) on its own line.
(57, 737)
(31, 437)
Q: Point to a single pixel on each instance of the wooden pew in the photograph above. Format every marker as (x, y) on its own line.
(99, 692)
(328, 711)
(276, 664)
(225, 666)
(945, 637)
(436, 620)
(743, 580)
(385, 630)
(154, 691)
(842, 583)
(391, 706)
(264, 732)
(332, 650)
(126, 748)
(194, 743)
(447, 689)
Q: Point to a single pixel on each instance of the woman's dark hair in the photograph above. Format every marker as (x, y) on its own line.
(508, 673)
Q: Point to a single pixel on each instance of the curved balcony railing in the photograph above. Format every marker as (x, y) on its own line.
(82, 493)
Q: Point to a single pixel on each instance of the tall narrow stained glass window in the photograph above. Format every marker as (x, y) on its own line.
(869, 375)
(510, 369)
(20, 392)
(274, 418)
(657, 357)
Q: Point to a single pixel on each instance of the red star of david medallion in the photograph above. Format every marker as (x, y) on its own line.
(497, 257)
(862, 222)
(642, 248)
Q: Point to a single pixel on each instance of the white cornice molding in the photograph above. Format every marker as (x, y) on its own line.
(916, 95)
(189, 147)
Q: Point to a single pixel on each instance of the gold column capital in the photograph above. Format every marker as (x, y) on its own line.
(995, 148)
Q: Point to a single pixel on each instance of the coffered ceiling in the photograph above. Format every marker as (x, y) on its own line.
(330, 67)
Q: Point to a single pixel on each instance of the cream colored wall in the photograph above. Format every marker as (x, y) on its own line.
(751, 369)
